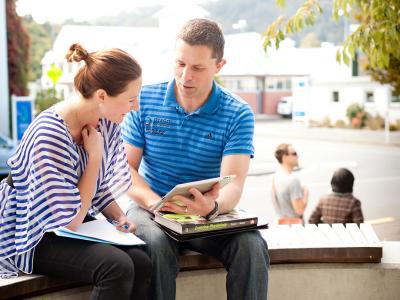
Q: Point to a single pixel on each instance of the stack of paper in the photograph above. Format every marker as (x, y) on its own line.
(101, 231)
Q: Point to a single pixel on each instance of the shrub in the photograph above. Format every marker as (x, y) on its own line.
(46, 98)
(356, 115)
(395, 126)
(341, 124)
(375, 122)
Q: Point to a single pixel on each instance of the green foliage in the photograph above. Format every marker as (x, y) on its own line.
(41, 42)
(282, 26)
(356, 115)
(389, 75)
(46, 98)
(18, 52)
(340, 124)
(378, 33)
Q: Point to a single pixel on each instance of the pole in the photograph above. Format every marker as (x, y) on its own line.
(4, 93)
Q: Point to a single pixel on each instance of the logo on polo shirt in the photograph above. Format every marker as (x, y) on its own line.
(156, 125)
(209, 136)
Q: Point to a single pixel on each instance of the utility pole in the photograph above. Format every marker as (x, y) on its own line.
(4, 94)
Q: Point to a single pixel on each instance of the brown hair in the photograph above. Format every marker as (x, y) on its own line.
(110, 70)
(282, 149)
(204, 32)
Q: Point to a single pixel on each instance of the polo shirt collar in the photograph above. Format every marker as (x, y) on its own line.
(209, 107)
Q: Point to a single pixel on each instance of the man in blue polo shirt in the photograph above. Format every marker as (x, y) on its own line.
(190, 129)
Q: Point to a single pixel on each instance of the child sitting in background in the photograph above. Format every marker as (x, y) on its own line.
(340, 206)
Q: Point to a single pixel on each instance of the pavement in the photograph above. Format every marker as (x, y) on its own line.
(287, 128)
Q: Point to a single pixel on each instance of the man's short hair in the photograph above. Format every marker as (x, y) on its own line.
(342, 181)
(206, 33)
(282, 149)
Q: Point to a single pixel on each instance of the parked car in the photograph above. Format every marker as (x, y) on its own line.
(285, 106)
(7, 148)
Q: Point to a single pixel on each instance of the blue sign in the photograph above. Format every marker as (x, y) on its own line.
(24, 113)
(299, 113)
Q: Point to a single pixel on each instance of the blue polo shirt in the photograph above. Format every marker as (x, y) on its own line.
(180, 147)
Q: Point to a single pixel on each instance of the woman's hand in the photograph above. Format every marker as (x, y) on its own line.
(93, 142)
(123, 224)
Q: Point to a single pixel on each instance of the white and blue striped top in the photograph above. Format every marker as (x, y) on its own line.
(180, 147)
(46, 169)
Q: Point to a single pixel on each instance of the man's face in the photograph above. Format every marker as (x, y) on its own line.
(292, 157)
(194, 71)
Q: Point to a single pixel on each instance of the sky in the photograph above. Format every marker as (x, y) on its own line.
(57, 11)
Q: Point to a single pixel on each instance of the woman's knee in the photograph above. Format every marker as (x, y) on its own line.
(116, 266)
(141, 261)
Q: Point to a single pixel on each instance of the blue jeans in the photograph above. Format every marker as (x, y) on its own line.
(244, 256)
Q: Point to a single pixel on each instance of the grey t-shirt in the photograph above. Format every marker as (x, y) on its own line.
(287, 188)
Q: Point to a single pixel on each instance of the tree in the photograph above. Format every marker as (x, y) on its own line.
(377, 36)
(41, 42)
(18, 52)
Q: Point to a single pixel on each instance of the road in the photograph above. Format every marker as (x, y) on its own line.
(376, 168)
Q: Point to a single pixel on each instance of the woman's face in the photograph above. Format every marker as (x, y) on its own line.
(115, 108)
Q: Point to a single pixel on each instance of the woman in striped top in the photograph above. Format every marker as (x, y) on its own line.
(69, 166)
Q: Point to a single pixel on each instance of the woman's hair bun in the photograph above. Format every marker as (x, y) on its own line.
(76, 53)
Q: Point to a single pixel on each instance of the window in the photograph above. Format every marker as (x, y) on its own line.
(288, 84)
(395, 98)
(335, 96)
(239, 85)
(278, 83)
(369, 97)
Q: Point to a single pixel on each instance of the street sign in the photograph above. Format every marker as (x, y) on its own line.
(300, 101)
(22, 115)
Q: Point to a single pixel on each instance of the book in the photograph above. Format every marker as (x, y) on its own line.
(188, 224)
(262, 224)
(101, 231)
(202, 185)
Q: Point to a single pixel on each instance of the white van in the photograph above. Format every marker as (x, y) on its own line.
(285, 106)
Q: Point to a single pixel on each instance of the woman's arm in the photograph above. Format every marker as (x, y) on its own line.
(115, 213)
(93, 143)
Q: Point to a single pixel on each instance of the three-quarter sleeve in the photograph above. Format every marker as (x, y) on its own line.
(44, 196)
(116, 178)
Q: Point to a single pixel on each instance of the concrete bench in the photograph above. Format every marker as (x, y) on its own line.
(203, 277)
(27, 286)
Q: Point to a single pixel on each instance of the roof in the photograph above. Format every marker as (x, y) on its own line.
(153, 48)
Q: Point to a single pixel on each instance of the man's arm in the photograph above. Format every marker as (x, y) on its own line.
(140, 191)
(227, 197)
(230, 195)
(299, 205)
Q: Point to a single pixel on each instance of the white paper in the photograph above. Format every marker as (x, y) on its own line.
(101, 231)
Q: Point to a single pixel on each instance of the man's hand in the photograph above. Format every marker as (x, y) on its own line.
(199, 204)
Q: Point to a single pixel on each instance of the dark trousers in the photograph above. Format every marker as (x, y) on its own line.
(116, 272)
